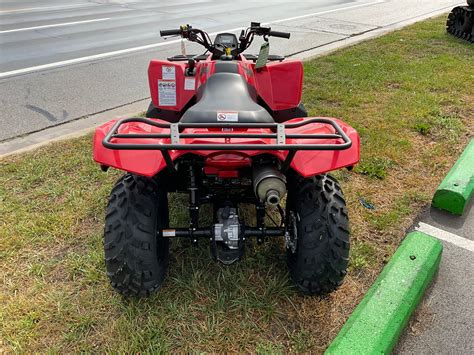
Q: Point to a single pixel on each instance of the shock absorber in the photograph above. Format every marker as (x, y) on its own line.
(193, 205)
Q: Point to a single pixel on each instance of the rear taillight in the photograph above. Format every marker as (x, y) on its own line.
(228, 161)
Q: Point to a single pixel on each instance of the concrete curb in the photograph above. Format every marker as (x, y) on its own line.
(377, 322)
(455, 191)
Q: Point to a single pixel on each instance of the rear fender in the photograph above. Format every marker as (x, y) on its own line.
(151, 162)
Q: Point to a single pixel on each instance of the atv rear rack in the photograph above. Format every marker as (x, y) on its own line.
(175, 134)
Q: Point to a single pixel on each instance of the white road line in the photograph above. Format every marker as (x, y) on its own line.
(98, 56)
(155, 45)
(55, 25)
(446, 236)
(59, 7)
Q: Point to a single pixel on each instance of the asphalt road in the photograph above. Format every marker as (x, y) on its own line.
(62, 60)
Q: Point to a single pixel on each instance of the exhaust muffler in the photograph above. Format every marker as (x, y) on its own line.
(269, 184)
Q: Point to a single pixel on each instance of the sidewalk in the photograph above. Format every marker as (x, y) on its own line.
(444, 321)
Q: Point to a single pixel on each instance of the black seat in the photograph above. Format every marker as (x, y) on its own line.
(225, 92)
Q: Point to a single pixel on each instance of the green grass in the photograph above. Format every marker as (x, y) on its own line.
(409, 94)
(375, 167)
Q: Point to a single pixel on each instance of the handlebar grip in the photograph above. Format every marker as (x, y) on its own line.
(279, 34)
(170, 32)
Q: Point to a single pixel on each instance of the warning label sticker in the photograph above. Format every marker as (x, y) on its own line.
(168, 73)
(166, 93)
(228, 116)
(189, 83)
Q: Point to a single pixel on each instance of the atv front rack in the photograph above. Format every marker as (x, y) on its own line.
(278, 130)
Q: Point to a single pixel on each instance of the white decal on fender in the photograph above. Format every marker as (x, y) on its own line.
(166, 93)
(189, 83)
(168, 73)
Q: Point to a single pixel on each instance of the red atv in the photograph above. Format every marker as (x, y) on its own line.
(227, 128)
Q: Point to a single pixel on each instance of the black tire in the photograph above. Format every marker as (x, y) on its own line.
(460, 23)
(135, 257)
(319, 262)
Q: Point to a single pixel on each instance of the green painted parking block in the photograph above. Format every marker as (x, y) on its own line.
(376, 324)
(455, 191)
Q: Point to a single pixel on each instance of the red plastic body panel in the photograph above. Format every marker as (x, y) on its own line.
(205, 69)
(279, 84)
(151, 162)
(156, 70)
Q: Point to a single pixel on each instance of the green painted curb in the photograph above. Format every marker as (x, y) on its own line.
(455, 191)
(376, 324)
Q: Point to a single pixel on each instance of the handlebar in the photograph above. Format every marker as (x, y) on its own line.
(170, 32)
(279, 34)
(246, 37)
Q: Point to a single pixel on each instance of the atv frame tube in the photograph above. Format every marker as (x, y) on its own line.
(261, 232)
